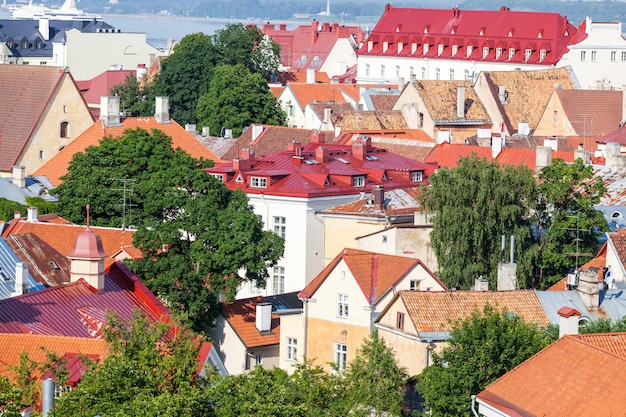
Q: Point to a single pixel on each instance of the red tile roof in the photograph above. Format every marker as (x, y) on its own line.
(310, 93)
(29, 89)
(314, 40)
(57, 166)
(101, 85)
(241, 315)
(618, 241)
(436, 311)
(448, 155)
(592, 112)
(75, 309)
(504, 28)
(301, 173)
(375, 273)
(574, 376)
(296, 76)
(62, 236)
(617, 136)
(528, 157)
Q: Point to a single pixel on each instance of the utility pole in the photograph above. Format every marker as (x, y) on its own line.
(127, 189)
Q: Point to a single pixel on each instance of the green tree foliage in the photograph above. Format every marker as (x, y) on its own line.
(10, 398)
(375, 380)
(195, 234)
(43, 206)
(481, 348)
(136, 99)
(185, 75)
(150, 371)
(474, 204)
(8, 209)
(565, 221)
(237, 98)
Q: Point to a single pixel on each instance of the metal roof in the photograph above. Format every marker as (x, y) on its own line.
(8, 261)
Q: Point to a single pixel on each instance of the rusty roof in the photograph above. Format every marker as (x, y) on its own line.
(615, 184)
(371, 120)
(399, 202)
(574, 376)
(384, 101)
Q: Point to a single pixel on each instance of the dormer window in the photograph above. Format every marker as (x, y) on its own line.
(38, 44)
(416, 176)
(485, 52)
(425, 48)
(370, 45)
(400, 46)
(24, 44)
(469, 50)
(498, 53)
(385, 46)
(455, 49)
(439, 49)
(511, 53)
(527, 54)
(258, 182)
(219, 177)
(239, 178)
(542, 55)
(358, 181)
(413, 47)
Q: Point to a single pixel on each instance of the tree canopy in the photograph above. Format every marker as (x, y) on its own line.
(552, 219)
(196, 236)
(481, 348)
(237, 98)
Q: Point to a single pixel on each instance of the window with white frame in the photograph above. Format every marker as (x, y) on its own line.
(527, 55)
(254, 289)
(411, 70)
(367, 69)
(452, 73)
(511, 53)
(358, 181)
(467, 75)
(292, 349)
(423, 73)
(613, 56)
(583, 56)
(279, 225)
(219, 177)
(397, 70)
(485, 51)
(455, 49)
(258, 182)
(414, 284)
(439, 49)
(542, 55)
(382, 70)
(413, 47)
(425, 48)
(416, 176)
(469, 50)
(342, 305)
(278, 279)
(498, 53)
(623, 56)
(594, 56)
(341, 356)
(437, 73)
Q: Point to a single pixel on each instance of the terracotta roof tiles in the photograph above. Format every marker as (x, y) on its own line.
(384, 101)
(310, 93)
(618, 241)
(372, 120)
(592, 112)
(241, 315)
(448, 155)
(57, 166)
(440, 98)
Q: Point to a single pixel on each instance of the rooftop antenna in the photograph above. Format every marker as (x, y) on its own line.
(88, 207)
(126, 189)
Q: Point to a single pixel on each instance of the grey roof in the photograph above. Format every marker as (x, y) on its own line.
(19, 31)
(284, 302)
(8, 261)
(35, 187)
(612, 304)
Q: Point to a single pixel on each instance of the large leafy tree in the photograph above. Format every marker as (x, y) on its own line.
(237, 98)
(566, 225)
(136, 98)
(474, 204)
(150, 371)
(195, 234)
(481, 348)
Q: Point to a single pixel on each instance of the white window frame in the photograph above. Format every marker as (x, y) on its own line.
(594, 56)
(397, 70)
(292, 349)
(340, 356)
(343, 304)
(469, 50)
(439, 49)
(358, 181)
(416, 176)
(583, 56)
(511, 53)
(613, 56)
(437, 73)
(217, 176)
(279, 226)
(527, 54)
(542, 55)
(498, 53)
(455, 49)
(414, 284)
(258, 182)
(451, 73)
(382, 70)
(367, 69)
(623, 56)
(278, 279)
(485, 51)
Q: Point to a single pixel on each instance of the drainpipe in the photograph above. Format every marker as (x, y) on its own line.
(305, 302)
(474, 406)
(47, 403)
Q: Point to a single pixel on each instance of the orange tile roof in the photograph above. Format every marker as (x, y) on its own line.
(28, 89)
(384, 101)
(448, 155)
(592, 112)
(611, 342)
(528, 157)
(571, 377)
(375, 273)
(301, 77)
(62, 236)
(436, 311)
(618, 241)
(241, 315)
(309, 93)
(11, 345)
(57, 166)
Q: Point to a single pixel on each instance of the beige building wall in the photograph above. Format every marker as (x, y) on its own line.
(342, 52)
(491, 104)
(291, 326)
(341, 233)
(411, 105)
(323, 334)
(66, 105)
(410, 351)
(554, 121)
(89, 54)
(231, 350)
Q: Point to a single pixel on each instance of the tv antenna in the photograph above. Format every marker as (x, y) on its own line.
(126, 202)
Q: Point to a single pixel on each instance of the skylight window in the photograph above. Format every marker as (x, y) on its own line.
(340, 159)
(371, 158)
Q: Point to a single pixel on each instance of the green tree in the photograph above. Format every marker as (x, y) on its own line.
(43, 206)
(195, 234)
(566, 225)
(237, 98)
(481, 348)
(474, 204)
(136, 99)
(10, 398)
(185, 75)
(375, 380)
(8, 209)
(150, 371)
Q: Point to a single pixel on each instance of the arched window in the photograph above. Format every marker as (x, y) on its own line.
(64, 132)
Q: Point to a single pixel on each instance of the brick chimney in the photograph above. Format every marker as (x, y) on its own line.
(361, 146)
(568, 320)
(378, 195)
(162, 110)
(295, 147)
(264, 317)
(321, 154)
(110, 110)
(318, 137)
(313, 31)
(589, 288)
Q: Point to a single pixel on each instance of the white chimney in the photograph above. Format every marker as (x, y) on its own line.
(205, 130)
(582, 154)
(19, 176)
(588, 289)
(310, 76)
(543, 157)
(44, 28)
(264, 317)
(460, 102)
(327, 114)
(162, 110)
(523, 128)
(32, 214)
(502, 94)
(110, 110)
(568, 321)
(481, 284)
(400, 83)
(141, 71)
(191, 128)
(21, 278)
(256, 131)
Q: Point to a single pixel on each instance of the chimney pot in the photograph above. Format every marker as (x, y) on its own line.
(318, 137)
(378, 194)
(568, 321)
